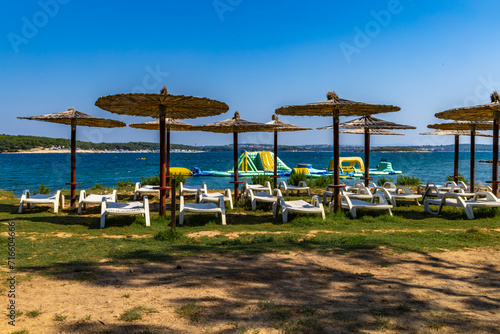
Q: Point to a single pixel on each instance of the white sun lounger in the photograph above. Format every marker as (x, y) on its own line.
(355, 204)
(214, 197)
(258, 187)
(299, 206)
(202, 208)
(481, 199)
(288, 188)
(400, 193)
(143, 190)
(84, 199)
(124, 209)
(262, 197)
(56, 199)
(192, 189)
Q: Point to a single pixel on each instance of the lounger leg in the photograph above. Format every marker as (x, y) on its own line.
(275, 209)
(353, 212)
(323, 215)
(56, 205)
(103, 219)
(468, 212)
(284, 213)
(135, 195)
(20, 207)
(80, 208)
(181, 217)
(223, 215)
(254, 205)
(390, 212)
(418, 203)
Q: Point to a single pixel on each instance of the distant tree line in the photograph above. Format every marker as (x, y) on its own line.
(10, 143)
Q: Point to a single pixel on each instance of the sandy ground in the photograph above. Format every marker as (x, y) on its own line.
(370, 291)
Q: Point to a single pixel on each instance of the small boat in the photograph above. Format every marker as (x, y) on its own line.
(140, 159)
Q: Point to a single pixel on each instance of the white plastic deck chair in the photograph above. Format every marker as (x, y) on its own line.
(258, 187)
(214, 197)
(143, 190)
(481, 199)
(124, 209)
(298, 206)
(355, 204)
(202, 208)
(84, 200)
(480, 186)
(56, 199)
(389, 186)
(192, 189)
(262, 197)
(289, 188)
(400, 193)
(421, 188)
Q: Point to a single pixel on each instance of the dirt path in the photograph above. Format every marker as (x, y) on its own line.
(363, 291)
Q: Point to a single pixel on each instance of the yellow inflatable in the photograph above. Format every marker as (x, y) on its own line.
(180, 171)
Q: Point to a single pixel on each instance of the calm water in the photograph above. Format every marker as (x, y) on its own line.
(28, 171)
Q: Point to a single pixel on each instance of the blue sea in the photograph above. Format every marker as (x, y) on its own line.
(28, 171)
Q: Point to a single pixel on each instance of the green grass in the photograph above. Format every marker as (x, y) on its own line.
(190, 311)
(60, 317)
(130, 241)
(136, 313)
(33, 313)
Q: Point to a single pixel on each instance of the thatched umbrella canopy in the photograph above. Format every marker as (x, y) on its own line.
(234, 125)
(335, 107)
(161, 106)
(485, 112)
(74, 118)
(470, 127)
(170, 125)
(372, 132)
(367, 125)
(280, 126)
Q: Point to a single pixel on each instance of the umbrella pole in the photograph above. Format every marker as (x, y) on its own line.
(494, 185)
(367, 157)
(163, 185)
(167, 153)
(472, 157)
(275, 159)
(336, 160)
(235, 161)
(73, 163)
(455, 163)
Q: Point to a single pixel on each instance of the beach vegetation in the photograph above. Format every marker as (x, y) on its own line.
(461, 177)
(33, 313)
(179, 178)
(42, 190)
(123, 183)
(406, 180)
(60, 317)
(382, 180)
(136, 313)
(190, 311)
(295, 178)
(323, 181)
(261, 179)
(97, 186)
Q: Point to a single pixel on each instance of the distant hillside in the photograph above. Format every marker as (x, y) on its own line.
(19, 143)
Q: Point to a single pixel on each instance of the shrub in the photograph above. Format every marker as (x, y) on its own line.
(42, 190)
(450, 178)
(261, 179)
(97, 186)
(123, 183)
(323, 181)
(179, 178)
(405, 180)
(170, 235)
(295, 178)
(381, 180)
(150, 180)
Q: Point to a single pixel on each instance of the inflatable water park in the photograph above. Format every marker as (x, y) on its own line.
(262, 163)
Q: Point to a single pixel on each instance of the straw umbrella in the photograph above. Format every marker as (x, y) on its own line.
(74, 118)
(280, 126)
(368, 124)
(234, 125)
(484, 112)
(335, 107)
(472, 127)
(161, 106)
(457, 134)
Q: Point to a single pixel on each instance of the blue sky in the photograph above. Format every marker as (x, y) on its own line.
(423, 56)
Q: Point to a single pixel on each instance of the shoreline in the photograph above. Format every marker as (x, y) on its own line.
(89, 151)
